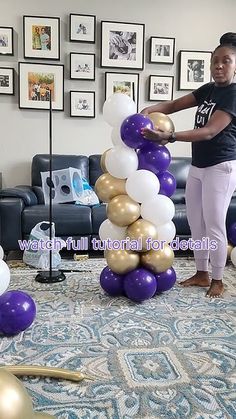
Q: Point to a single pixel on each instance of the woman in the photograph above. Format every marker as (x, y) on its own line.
(212, 176)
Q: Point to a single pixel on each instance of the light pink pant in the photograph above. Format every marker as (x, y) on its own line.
(208, 194)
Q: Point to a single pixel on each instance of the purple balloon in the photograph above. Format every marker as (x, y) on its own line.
(167, 183)
(140, 284)
(154, 157)
(130, 130)
(232, 233)
(165, 280)
(111, 282)
(17, 312)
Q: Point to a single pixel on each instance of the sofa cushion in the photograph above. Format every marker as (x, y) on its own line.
(98, 216)
(180, 221)
(178, 196)
(40, 163)
(70, 219)
(179, 167)
(94, 168)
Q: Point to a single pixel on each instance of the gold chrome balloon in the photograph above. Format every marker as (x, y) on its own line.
(229, 250)
(43, 416)
(161, 121)
(158, 260)
(15, 402)
(122, 261)
(141, 230)
(102, 161)
(41, 371)
(107, 187)
(123, 210)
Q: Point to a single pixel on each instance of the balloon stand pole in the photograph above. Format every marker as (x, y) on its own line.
(52, 275)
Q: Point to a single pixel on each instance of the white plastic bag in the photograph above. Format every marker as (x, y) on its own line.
(37, 253)
(87, 196)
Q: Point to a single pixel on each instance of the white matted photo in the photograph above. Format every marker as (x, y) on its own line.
(82, 66)
(6, 81)
(41, 37)
(39, 82)
(82, 104)
(6, 40)
(194, 69)
(127, 83)
(162, 50)
(82, 28)
(122, 45)
(161, 88)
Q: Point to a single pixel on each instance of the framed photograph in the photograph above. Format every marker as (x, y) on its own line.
(6, 81)
(122, 45)
(82, 104)
(161, 88)
(41, 37)
(6, 40)
(127, 83)
(162, 50)
(194, 69)
(82, 28)
(37, 82)
(82, 66)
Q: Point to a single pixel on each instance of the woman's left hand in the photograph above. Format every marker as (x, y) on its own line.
(157, 136)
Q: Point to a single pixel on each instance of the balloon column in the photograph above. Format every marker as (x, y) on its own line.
(17, 309)
(136, 186)
(231, 248)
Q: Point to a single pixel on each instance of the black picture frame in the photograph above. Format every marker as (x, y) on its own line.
(160, 88)
(122, 83)
(194, 69)
(162, 50)
(77, 110)
(41, 37)
(7, 81)
(122, 45)
(6, 40)
(34, 82)
(82, 66)
(86, 25)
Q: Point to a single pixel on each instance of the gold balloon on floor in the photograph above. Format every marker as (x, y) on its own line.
(107, 187)
(161, 121)
(15, 402)
(122, 210)
(141, 230)
(158, 260)
(122, 261)
(229, 250)
(102, 161)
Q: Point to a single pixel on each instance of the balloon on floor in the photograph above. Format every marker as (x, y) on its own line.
(137, 187)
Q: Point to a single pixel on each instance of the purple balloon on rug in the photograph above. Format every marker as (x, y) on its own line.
(154, 157)
(130, 130)
(140, 285)
(111, 282)
(165, 280)
(17, 312)
(167, 183)
(232, 234)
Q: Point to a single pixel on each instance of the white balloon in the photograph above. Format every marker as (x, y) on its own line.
(159, 210)
(142, 185)
(121, 161)
(1, 253)
(166, 232)
(4, 277)
(108, 230)
(233, 256)
(117, 107)
(116, 138)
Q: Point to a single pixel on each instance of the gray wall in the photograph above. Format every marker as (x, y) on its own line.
(196, 25)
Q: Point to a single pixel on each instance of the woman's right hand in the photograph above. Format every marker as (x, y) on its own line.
(144, 111)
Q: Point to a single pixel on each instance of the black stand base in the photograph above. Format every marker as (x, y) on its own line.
(47, 277)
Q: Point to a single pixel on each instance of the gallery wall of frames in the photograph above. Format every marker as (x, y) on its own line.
(121, 56)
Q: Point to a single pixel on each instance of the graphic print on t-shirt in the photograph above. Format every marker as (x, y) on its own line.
(204, 113)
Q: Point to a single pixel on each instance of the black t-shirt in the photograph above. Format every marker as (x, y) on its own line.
(222, 147)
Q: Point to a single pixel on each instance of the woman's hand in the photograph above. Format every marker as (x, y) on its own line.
(156, 136)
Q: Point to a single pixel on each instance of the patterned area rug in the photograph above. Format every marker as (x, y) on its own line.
(170, 357)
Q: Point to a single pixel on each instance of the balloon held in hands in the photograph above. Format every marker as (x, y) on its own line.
(131, 130)
(161, 122)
